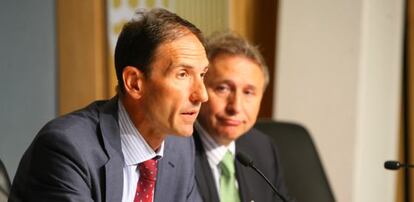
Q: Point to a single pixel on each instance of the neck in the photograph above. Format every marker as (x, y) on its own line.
(152, 136)
(153, 140)
(222, 142)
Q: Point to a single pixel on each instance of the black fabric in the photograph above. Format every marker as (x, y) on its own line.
(252, 187)
(303, 170)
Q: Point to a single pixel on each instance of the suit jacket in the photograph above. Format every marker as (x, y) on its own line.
(78, 157)
(252, 187)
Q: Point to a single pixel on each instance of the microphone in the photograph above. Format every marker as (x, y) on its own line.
(395, 165)
(248, 162)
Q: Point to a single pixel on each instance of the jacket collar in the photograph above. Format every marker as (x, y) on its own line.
(108, 119)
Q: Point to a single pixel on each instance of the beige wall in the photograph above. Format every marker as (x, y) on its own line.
(339, 66)
(82, 74)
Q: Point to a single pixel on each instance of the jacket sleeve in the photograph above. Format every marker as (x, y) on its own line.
(52, 169)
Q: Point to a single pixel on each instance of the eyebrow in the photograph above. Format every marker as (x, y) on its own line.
(230, 82)
(186, 66)
(189, 66)
(250, 86)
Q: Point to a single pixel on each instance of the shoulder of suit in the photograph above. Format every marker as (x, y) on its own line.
(255, 135)
(79, 122)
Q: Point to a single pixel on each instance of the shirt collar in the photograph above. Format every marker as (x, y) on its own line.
(134, 147)
(214, 151)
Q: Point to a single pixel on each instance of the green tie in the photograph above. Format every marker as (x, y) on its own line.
(228, 190)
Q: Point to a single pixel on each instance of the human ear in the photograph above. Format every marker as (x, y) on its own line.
(133, 79)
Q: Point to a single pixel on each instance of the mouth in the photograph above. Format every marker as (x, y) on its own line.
(230, 122)
(190, 115)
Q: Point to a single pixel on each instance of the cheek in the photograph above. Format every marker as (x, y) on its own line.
(166, 102)
(206, 110)
(252, 110)
(215, 105)
(208, 113)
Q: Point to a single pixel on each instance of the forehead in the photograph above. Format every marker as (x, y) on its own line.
(186, 49)
(236, 67)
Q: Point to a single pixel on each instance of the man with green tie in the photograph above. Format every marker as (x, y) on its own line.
(235, 82)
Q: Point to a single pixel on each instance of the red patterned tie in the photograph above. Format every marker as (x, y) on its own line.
(146, 182)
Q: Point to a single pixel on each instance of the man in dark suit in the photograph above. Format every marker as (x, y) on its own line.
(136, 146)
(235, 83)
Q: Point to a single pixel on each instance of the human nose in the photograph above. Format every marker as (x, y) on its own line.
(199, 93)
(234, 103)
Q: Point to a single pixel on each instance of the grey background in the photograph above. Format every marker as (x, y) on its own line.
(27, 74)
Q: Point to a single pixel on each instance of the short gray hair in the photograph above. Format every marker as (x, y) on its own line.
(232, 44)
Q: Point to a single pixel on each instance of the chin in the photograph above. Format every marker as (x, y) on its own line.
(184, 133)
(231, 136)
(231, 133)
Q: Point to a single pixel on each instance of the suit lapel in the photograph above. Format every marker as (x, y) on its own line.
(204, 176)
(244, 188)
(108, 118)
(165, 173)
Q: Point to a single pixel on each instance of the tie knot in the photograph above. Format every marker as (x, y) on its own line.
(227, 164)
(148, 169)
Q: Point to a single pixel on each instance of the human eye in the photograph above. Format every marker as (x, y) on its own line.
(222, 89)
(182, 74)
(250, 92)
